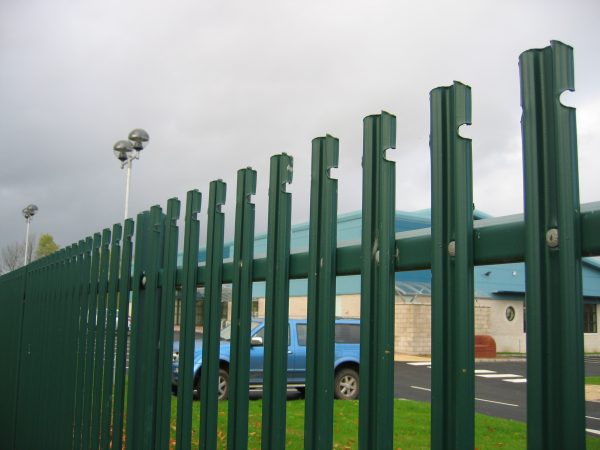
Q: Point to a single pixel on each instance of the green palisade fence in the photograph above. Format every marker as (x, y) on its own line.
(74, 377)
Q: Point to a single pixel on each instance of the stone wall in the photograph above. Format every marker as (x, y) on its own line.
(413, 326)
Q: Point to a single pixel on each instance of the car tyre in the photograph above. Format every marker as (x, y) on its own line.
(223, 384)
(223, 392)
(346, 384)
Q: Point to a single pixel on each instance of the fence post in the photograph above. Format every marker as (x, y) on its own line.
(555, 390)
(88, 350)
(187, 330)
(209, 381)
(318, 417)
(243, 254)
(100, 335)
(66, 311)
(122, 335)
(166, 324)
(84, 263)
(277, 304)
(376, 406)
(111, 330)
(452, 306)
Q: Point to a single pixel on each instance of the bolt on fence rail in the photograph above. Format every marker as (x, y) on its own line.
(63, 319)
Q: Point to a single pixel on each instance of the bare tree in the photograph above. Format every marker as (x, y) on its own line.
(13, 255)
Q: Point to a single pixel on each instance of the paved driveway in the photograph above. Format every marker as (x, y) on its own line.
(500, 388)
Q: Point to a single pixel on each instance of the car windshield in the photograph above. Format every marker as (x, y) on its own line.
(226, 332)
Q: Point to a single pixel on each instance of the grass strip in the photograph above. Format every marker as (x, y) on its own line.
(411, 427)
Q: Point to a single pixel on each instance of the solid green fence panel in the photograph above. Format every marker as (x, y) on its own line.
(58, 328)
(57, 355)
(212, 379)
(187, 332)
(555, 390)
(376, 413)
(111, 330)
(122, 336)
(43, 343)
(239, 367)
(318, 416)
(100, 334)
(48, 346)
(142, 392)
(167, 320)
(452, 300)
(277, 304)
(83, 300)
(12, 302)
(27, 391)
(66, 338)
(88, 355)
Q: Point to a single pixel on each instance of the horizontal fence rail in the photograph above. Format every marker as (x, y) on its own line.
(76, 376)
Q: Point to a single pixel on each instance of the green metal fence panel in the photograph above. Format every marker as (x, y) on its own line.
(318, 422)
(82, 439)
(188, 321)
(376, 412)
(452, 301)
(142, 375)
(110, 344)
(125, 284)
(12, 303)
(82, 300)
(100, 335)
(65, 324)
(276, 304)
(555, 391)
(213, 378)
(243, 254)
(167, 312)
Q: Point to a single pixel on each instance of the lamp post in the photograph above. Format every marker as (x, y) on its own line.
(128, 150)
(28, 212)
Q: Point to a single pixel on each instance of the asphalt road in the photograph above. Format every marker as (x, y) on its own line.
(500, 388)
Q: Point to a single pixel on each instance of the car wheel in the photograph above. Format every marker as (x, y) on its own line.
(223, 392)
(302, 391)
(346, 384)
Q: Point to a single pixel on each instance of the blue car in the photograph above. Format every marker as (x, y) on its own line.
(346, 359)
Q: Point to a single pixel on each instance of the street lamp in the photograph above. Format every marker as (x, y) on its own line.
(128, 150)
(28, 212)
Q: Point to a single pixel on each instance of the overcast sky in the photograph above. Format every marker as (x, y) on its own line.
(221, 85)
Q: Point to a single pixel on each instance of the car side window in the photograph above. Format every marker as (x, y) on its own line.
(346, 333)
(261, 334)
(301, 332)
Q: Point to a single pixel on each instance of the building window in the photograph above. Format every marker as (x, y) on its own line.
(510, 313)
(590, 324)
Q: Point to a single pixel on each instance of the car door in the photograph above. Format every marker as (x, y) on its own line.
(257, 357)
(297, 362)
